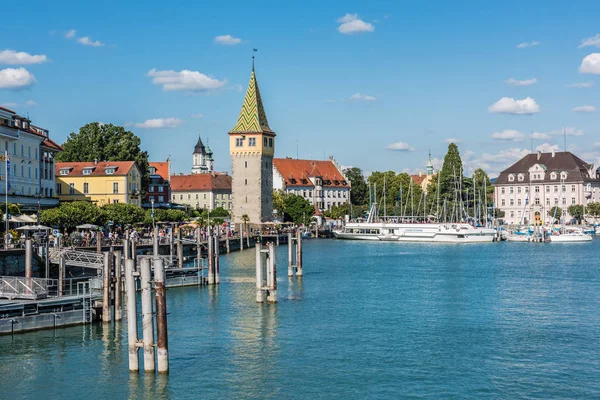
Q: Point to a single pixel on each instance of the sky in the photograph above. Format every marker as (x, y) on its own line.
(376, 85)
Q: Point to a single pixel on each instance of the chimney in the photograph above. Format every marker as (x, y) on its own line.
(539, 155)
(95, 161)
(553, 153)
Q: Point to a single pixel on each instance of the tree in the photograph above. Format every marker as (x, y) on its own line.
(451, 173)
(359, 191)
(161, 215)
(124, 213)
(555, 212)
(105, 142)
(279, 197)
(576, 211)
(298, 209)
(593, 209)
(69, 215)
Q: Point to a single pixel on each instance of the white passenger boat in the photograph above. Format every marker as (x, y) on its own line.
(571, 236)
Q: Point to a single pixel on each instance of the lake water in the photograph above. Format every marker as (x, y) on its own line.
(368, 320)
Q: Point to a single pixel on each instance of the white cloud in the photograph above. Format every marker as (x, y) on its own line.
(527, 44)
(453, 140)
(16, 78)
(14, 105)
(580, 85)
(31, 103)
(508, 105)
(540, 136)
(358, 96)
(591, 41)
(525, 82)
(597, 145)
(227, 40)
(351, 23)
(87, 41)
(185, 80)
(20, 58)
(547, 148)
(508, 135)
(492, 164)
(198, 116)
(399, 146)
(590, 64)
(70, 34)
(158, 123)
(585, 109)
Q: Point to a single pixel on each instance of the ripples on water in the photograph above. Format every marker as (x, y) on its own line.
(369, 320)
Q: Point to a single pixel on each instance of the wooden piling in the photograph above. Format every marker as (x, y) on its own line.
(106, 317)
(227, 242)
(216, 256)
(98, 242)
(171, 244)
(132, 329)
(61, 273)
(211, 259)
(134, 255)
(118, 291)
(155, 242)
(199, 248)
(298, 254)
(28, 261)
(162, 337)
(272, 274)
(126, 249)
(290, 254)
(147, 320)
(241, 237)
(179, 249)
(47, 258)
(259, 274)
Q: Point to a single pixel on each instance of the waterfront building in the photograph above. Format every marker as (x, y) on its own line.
(202, 191)
(321, 182)
(31, 153)
(424, 180)
(203, 162)
(159, 184)
(527, 190)
(252, 147)
(106, 182)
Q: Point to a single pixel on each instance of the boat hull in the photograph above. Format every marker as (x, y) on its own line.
(427, 233)
(570, 238)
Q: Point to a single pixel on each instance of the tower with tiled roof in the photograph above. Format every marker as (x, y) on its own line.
(252, 147)
(202, 158)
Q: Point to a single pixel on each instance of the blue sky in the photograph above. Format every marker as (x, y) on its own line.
(375, 84)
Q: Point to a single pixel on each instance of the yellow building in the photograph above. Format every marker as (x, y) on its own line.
(106, 182)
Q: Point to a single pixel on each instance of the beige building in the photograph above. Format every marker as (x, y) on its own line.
(202, 191)
(252, 147)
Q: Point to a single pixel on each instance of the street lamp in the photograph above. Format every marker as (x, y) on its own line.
(152, 214)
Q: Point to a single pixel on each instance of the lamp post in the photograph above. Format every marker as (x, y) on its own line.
(152, 214)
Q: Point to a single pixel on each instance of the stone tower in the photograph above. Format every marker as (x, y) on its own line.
(252, 147)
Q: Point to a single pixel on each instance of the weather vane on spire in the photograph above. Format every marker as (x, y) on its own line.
(253, 51)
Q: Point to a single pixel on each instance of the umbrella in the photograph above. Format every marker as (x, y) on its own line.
(34, 228)
(87, 226)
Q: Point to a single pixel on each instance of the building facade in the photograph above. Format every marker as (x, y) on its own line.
(202, 191)
(252, 147)
(321, 182)
(424, 180)
(107, 182)
(527, 190)
(159, 185)
(31, 180)
(202, 159)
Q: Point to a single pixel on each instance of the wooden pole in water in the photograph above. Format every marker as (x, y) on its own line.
(241, 237)
(132, 329)
(155, 242)
(147, 320)
(61, 273)
(227, 241)
(134, 254)
(259, 274)
(199, 248)
(162, 338)
(298, 254)
(99, 242)
(179, 249)
(216, 248)
(47, 258)
(106, 317)
(171, 242)
(272, 265)
(126, 249)
(211, 259)
(290, 248)
(28, 261)
(118, 287)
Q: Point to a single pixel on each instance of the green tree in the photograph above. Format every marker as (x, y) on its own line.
(162, 215)
(124, 213)
(555, 212)
(69, 215)
(593, 209)
(451, 173)
(105, 142)
(279, 197)
(359, 193)
(402, 194)
(218, 212)
(576, 211)
(298, 209)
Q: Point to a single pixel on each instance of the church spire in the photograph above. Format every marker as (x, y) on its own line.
(252, 118)
(430, 165)
(199, 148)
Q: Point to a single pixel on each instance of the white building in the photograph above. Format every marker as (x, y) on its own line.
(528, 189)
(320, 182)
(203, 162)
(31, 182)
(202, 191)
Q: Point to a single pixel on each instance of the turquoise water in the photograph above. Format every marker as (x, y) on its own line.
(368, 320)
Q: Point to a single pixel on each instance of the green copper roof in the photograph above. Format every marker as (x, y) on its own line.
(252, 117)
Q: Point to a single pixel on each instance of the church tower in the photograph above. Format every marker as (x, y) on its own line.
(202, 159)
(252, 147)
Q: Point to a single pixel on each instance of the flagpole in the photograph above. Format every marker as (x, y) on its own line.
(6, 198)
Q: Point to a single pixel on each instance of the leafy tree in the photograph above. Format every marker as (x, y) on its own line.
(218, 212)
(162, 215)
(279, 197)
(402, 194)
(593, 209)
(451, 172)
(576, 211)
(105, 142)
(124, 213)
(555, 212)
(359, 193)
(69, 215)
(298, 209)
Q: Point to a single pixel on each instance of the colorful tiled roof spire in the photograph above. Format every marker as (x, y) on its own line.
(252, 117)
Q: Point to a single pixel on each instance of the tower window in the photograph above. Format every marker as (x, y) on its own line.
(239, 142)
(252, 141)
(245, 181)
(245, 164)
(265, 142)
(270, 142)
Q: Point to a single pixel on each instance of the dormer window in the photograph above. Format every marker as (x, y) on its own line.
(521, 177)
(553, 175)
(152, 170)
(64, 171)
(563, 175)
(88, 170)
(511, 178)
(110, 170)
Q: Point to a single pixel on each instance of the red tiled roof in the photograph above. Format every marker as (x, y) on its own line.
(51, 144)
(198, 182)
(418, 179)
(290, 168)
(162, 169)
(123, 167)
